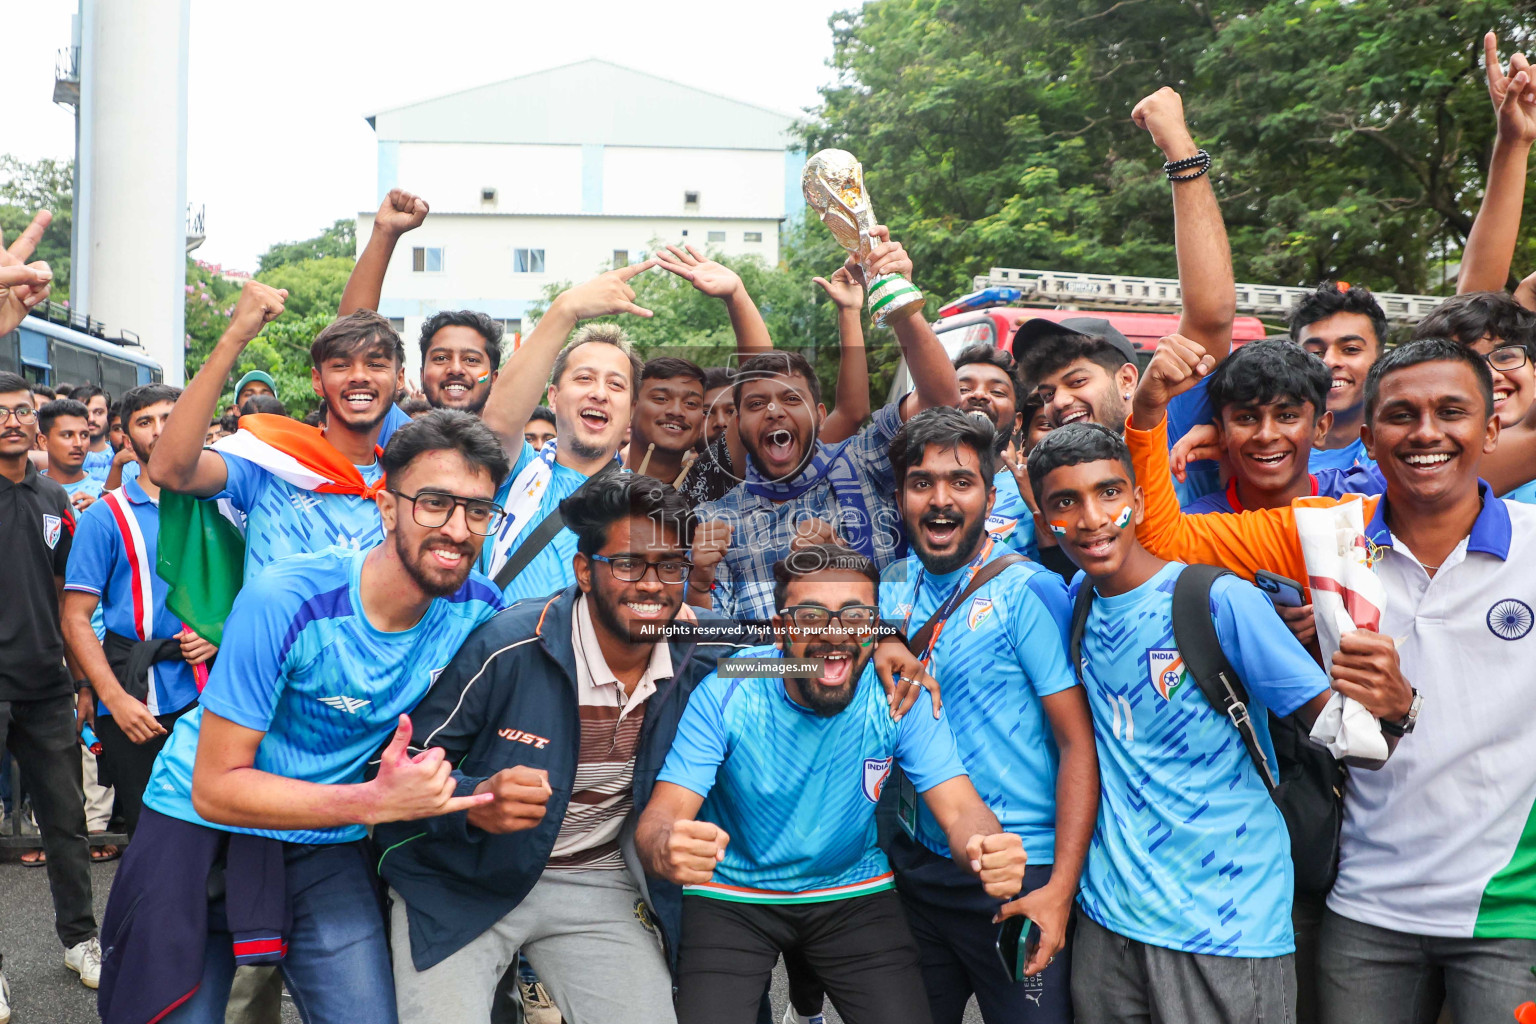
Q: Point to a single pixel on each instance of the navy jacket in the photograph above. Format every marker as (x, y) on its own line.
(509, 697)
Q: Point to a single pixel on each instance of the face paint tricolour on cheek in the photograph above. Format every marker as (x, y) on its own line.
(483, 377)
(1058, 528)
(1124, 518)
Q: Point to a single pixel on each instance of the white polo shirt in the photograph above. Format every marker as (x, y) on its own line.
(1441, 841)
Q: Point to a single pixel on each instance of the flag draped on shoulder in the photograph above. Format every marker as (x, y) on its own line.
(202, 541)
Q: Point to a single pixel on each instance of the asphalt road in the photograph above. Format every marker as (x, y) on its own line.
(44, 990)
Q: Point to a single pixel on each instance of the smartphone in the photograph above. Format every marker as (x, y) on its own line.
(1017, 940)
(1282, 591)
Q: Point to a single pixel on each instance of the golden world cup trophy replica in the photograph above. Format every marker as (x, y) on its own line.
(833, 184)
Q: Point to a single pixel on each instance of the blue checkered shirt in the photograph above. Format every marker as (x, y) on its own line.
(762, 529)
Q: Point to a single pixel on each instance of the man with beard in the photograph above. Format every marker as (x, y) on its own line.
(251, 846)
(563, 711)
(1427, 908)
(98, 408)
(131, 701)
(1020, 720)
(798, 488)
(765, 810)
(301, 489)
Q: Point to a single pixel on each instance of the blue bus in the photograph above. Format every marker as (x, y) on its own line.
(55, 346)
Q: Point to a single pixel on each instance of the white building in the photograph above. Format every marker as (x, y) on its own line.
(561, 174)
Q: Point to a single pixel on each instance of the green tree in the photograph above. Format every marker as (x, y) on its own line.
(340, 239)
(26, 188)
(314, 285)
(1350, 140)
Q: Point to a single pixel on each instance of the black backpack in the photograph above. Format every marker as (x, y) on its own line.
(1309, 784)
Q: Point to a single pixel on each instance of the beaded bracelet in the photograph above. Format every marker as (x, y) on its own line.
(1201, 162)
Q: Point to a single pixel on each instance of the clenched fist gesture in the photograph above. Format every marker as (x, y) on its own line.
(692, 850)
(521, 798)
(259, 304)
(998, 860)
(1162, 115)
(1176, 366)
(401, 211)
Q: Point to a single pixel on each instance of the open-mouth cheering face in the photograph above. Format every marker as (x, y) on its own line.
(592, 400)
(778, 422)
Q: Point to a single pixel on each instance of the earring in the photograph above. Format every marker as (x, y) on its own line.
(1126, 396)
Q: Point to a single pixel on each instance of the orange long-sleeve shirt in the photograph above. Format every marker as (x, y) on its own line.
(1244, 542)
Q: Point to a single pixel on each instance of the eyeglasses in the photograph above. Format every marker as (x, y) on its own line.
(24, 414)
(1508, 357)
(434, 508)
(630, 569)
(813, 617)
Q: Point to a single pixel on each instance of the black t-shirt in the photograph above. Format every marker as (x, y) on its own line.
(37, 526)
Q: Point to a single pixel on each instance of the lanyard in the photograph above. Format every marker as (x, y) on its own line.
(948, 607)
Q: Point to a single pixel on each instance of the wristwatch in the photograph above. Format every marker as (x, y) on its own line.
(1403, 726)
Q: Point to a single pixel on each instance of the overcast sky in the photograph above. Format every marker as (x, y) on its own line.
(277, 145)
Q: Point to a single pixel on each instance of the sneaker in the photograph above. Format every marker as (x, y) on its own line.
(5, 999)
(538, 1008)
(791, 1017)
(85, 960)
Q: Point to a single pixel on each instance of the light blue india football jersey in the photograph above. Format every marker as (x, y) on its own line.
(796, 791)
(283, 520)
(551, 569)
(1190, 852)
(1011, 522)
(1001, 650)
(302, 664)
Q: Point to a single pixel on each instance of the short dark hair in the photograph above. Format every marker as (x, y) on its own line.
(717, 377)
(1427, 350)
(602, 334)
(542, 412)
(346, 335)
(446, 430)
(230, 421)
(1329, 298)
(270, 404)
(85, 392)
(412, 406)
(991, 355)
(777, 363)
(64, 390)
(10, 382)
(1029, 405)
(142, 397)
(1052, 353)
(943, 427)
(1074, 444)
(670, 367)
(57, 409)
(817, 558)
(620, 496)
(43, 390)
(488, 329)
(1267, 371)
(1470, 318)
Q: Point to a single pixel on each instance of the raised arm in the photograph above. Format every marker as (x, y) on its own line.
(398, 213)
(927, 363)
(525, 376)
(1243, 542)
(853, 363)
(179, 462)
(718, 281)
(1491, 244)
(1199, 234)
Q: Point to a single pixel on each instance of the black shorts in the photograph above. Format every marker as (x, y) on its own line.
(860, 948)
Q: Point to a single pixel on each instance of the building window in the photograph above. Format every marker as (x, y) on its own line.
(398, 323)
(427, 260)
(512, 326)
(690, 200)
(487, 194)
(752, 236)
(620, 258)
(527, 261)
(717, 236)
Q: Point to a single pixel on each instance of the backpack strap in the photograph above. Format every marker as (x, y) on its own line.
(1080, 609)
(1194, 633)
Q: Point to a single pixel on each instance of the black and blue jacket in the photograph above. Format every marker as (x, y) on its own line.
(509, 698)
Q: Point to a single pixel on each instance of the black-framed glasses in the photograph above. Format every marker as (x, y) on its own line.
(812, 617)
(632, 568)
(1508, 357)
(434, 508)
(24, 414)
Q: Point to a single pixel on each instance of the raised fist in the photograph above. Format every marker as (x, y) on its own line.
(1176, 366)
(998, 860)
(692, 851)
(400, 212)
(259, 304)
(711, 541)
(522, 796)
(1162, 114)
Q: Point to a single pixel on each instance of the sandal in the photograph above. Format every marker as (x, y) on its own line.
(38, 859)
(102, 854)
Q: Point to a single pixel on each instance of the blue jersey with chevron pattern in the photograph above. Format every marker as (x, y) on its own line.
(1190, 852)
(283, 520)
(794, 790)
(302, 664)
(1002, 649)
(1011, 521)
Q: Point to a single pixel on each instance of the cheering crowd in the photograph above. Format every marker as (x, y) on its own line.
(970, 695)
